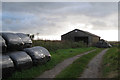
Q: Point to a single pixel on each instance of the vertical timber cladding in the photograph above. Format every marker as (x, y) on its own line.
(79, 35)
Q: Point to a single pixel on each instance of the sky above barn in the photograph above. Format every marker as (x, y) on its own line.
(52, 19)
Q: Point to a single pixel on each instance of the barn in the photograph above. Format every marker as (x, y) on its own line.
(79, 35)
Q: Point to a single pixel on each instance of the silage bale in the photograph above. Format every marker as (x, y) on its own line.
(44, 51)
(21, 60)
(26, 40)
(13, 41)
(103, 44)
(3, 45)
(38, 54)
(7, 66)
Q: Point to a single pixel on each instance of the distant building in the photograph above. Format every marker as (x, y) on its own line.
(79, 35)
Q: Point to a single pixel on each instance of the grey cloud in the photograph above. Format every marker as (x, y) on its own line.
(99, 24)
(52, 18)
(89, 9)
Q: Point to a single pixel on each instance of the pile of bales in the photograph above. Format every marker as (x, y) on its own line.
(103, 44)
(18, 53)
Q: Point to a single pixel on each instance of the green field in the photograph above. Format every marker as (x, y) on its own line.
(75, 70)
(110, 63)
(55, 45)
(57, 57)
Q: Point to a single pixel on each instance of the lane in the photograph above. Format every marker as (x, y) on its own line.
(94, 66)
(58, 68)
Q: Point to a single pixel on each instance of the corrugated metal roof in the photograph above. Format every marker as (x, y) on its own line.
(81, 31)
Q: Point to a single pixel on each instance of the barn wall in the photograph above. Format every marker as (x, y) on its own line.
(95, 40)
(70, 38)
(90, 41)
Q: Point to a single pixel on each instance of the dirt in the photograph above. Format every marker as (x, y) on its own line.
(93, 69)
(59, 67)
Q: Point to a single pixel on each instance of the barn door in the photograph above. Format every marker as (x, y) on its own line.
(84, 39)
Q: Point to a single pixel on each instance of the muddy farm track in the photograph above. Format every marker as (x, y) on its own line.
(94, 66)
(58, 68)
(92, 71)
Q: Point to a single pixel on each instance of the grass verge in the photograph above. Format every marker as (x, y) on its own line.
(57, 57)
(74, 70)
(110, 63)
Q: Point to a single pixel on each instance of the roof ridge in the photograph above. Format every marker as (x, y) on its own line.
(82, 31)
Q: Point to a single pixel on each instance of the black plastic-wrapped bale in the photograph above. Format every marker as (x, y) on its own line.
(103, 44)
(37, 55)
(7, 66)
(13, 41)
(3, 45)
(26, 40)
(21, 60)
(44, 51)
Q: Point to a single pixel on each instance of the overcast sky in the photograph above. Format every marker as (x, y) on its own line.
(52, 19)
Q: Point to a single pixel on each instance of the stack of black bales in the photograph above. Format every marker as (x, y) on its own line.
(18, 53)
(103, 44)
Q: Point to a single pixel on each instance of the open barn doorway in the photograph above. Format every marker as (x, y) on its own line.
(84, 39)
